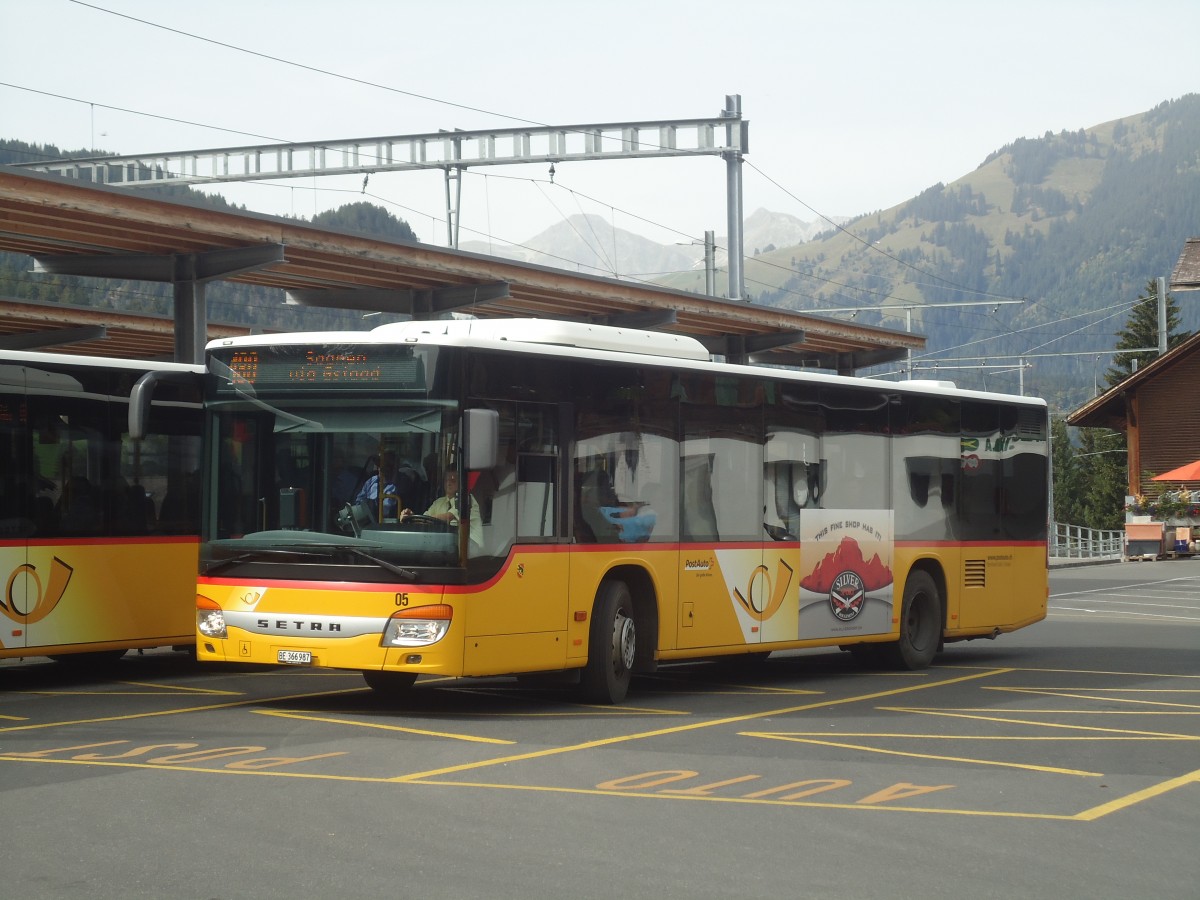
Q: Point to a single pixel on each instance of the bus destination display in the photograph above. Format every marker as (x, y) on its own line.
(327, 367)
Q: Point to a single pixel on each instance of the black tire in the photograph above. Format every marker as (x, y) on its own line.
(389, 684)
(920, 624)
(612, 646)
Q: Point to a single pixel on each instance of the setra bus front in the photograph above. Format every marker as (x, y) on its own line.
(332, 531)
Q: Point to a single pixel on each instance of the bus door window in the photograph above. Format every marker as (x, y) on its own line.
(794, 471)
(1024, 473)
(537, 470)
(239, 506)
(979, 501)
(855, 449)
(20, 482)
(925, 466)
(70, 432)
(721, 477)
(495, 489)
(626, 458)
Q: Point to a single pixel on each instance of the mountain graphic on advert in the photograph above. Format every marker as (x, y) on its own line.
(847, 558)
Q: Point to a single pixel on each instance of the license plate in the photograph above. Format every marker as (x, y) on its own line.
(295, 657)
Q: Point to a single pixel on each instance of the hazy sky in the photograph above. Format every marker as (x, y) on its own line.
(852, 106)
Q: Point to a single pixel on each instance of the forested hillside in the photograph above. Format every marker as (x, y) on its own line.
(235, 304)
(1073, 223)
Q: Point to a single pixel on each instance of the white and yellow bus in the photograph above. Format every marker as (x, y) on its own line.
(99, 527)
(632, 502)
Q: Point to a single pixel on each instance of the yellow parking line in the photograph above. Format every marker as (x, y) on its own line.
(1157, 790)
(1092, 696)
(693, 726)
(359, 724)
(776, 736)
(184, 689)
(176, 712)
(1005, 721)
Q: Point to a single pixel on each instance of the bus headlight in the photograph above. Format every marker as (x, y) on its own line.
(418, 627)
(210, 618)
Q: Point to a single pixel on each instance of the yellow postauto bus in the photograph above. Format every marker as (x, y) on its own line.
(99, 512)
(472, 498)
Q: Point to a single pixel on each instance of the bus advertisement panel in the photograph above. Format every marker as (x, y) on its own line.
(520, 496)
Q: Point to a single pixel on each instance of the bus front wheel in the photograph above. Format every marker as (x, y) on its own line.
(612, 645)
(920, 623)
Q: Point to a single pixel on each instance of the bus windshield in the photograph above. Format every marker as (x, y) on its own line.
(306, 475)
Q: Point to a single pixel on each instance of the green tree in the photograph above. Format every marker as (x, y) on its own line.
(366, 218)
(1141, 330)
(1068, 478)
(1101, 466)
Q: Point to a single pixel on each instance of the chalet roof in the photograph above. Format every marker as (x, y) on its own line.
(1186, 276)
(1108, 409)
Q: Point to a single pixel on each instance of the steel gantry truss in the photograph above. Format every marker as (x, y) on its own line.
(726, 135)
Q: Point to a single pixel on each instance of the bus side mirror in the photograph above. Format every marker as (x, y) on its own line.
(481, 438)
(142, 395)
(139, 404)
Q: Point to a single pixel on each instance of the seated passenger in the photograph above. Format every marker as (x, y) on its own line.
(608, 518)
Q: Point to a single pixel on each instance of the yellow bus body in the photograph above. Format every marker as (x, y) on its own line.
(64, 596)
(534, 615)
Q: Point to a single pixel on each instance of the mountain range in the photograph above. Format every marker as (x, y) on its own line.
(592, 245)
(1032, 260)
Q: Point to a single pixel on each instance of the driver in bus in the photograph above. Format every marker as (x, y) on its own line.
(446, 508)
(386, 476)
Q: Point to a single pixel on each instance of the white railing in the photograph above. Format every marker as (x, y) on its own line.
(1077, 542)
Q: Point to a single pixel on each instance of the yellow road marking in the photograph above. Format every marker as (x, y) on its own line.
(357, 724)
(183, 688)
(1102, 691)
(176, 712)
(160, 691)
(1079, 712)
(692, 726)
(955, 759)
(1157, 790)
(1079, 671)
(1036, 724)
(1085, 816)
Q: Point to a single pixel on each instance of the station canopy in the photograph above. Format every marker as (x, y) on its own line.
(76, 228)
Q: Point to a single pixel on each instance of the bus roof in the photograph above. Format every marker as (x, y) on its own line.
(38, 357)
(555, 337)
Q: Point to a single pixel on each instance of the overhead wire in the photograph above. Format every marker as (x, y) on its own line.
(884, 310)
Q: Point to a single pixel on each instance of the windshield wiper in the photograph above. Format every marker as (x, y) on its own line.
(406, 574)
(251, 555)
(323, 551)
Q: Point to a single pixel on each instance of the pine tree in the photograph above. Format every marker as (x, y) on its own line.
(1068, 484)
(1102, 462)
(1141, 330)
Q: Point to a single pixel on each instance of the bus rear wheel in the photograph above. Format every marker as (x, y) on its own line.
(612, 646)
(920, 624)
